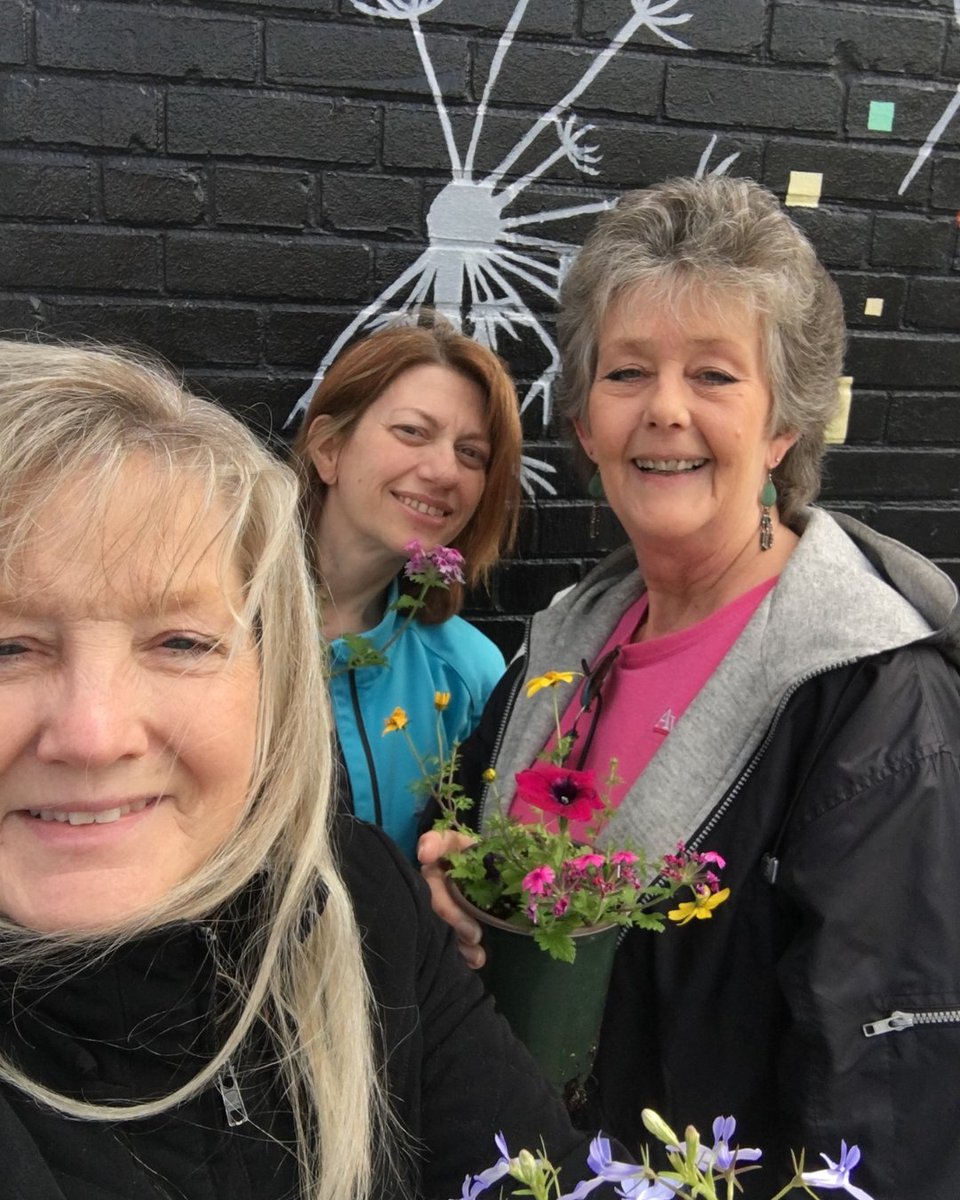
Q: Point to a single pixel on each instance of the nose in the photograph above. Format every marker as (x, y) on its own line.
(93, 718)
(439, 463)
(667, 402)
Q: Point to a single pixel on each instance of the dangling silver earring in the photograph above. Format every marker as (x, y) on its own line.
(595, 492)
(768, 498)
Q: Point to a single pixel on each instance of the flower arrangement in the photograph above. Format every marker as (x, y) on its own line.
(694, 1170)
(536, 876)
(428, 569)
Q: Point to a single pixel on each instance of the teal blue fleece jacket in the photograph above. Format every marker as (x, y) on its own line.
(450, 657)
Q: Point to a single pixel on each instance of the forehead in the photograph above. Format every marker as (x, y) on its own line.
(697, 313)
(140, 542)
(437, 390)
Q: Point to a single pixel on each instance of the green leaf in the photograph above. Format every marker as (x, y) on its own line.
(556, 943)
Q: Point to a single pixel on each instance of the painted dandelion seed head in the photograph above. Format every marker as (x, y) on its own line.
(482, 268)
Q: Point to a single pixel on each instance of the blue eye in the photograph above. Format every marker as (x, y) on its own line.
(183, 643)
(626, 374)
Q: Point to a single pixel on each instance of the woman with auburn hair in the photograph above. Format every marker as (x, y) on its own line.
(187, 1007)
(413, 436)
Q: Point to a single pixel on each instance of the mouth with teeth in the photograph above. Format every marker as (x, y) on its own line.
(105, 816)
(422, 507)
(669, 466)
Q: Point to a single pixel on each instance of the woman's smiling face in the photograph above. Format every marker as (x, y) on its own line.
(128, 703)
(678, 424)
(414, 467)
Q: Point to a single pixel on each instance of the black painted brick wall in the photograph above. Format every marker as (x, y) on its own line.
(229, 181)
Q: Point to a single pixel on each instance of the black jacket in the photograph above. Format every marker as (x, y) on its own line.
(841, 830)
(144, 1020)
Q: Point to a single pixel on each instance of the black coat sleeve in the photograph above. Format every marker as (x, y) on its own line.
(871, 864)
(456, 1073)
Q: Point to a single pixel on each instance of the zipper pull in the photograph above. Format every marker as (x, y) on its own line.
(892, 1024)
(229, 1090)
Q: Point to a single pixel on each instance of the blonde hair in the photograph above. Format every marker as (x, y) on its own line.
(362, 373)
(712, 241)
(67, 411)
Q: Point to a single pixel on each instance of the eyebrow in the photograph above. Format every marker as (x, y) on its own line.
(476, 436)
(159, 604)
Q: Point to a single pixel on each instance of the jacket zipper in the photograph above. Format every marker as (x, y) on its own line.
(226, 1081)
(898, 1021)
(368, 754)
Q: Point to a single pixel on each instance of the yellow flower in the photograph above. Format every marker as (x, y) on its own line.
(551, 679)
(701, 908)
(441, 700)
(489, 775)
(397, 720)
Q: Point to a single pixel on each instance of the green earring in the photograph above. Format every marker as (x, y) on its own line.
(768, 498)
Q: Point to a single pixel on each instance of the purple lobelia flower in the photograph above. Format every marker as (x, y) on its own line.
(837, 1174)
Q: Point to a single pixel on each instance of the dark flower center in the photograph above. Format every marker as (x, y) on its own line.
(565, 791)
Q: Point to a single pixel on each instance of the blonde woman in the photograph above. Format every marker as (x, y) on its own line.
(186, 1009)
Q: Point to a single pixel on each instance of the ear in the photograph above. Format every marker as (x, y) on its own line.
(324, 448)
(586, 441)
(778, 448)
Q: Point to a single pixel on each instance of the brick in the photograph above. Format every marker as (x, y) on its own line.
(70, 110)
(391, 260)
(270, 125)
(376, 59)
(636, 157)
(183, 332)
(554, 19)
(923, 419)
(133, 40)
(930, 531)
(945, 192)
(230, 264)
(19, 314)
(412, 138)
(57, 257)
(505, 632)
(911, 241)
(951, 62)
(534, 74)
(811, 101)
(300, 337)
(565, 529)
(377, 203)
(730, 26)
(873, 174)
(309, 7)
(141, 192)
(918, 108)
(263, 196)
(875, 473)
(840, 238)
(857, 286)
(52, 188)
(13, 32)
(523, 590)
(910, 361)
(934, 304)
(865, 39)
(868, 417)
(261, 399)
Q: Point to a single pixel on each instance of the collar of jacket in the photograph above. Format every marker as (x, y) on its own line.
(866, 594)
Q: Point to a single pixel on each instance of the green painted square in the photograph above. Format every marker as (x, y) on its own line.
(880, 118)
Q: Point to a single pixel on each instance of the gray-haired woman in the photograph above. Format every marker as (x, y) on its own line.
(779, 686)
(188, 1007)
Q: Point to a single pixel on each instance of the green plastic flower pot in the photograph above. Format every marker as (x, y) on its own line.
(554, 1008)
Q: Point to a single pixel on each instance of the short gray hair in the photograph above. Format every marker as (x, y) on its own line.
(717, 238)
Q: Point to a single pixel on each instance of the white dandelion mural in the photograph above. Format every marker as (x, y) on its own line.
(481, 259)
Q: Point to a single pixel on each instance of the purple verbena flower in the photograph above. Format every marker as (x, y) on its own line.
(449, 564)
(837, 1174)
(417, 558)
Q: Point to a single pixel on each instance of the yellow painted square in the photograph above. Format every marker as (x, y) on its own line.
(836, 431)
(873, 306)
(803, 190)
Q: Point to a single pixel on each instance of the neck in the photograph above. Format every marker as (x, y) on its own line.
(684, 589)
(355, 578)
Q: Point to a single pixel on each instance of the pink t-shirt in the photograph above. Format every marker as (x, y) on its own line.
(644, 695)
